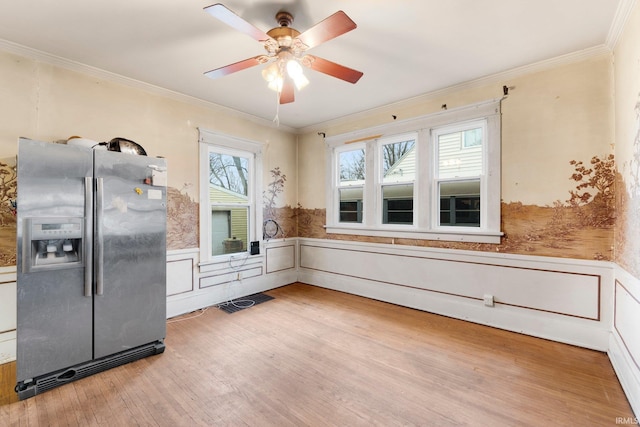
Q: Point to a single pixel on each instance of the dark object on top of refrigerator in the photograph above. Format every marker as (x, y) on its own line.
(125, 146)
(91, 270)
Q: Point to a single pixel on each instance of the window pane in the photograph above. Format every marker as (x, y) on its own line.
(460, 203)
(229, 230)
(351, 167)
(351, 204)
(399, 161)
(229, 179)
(460, 154)
(230, 174)
(397, 203)
(472, 138)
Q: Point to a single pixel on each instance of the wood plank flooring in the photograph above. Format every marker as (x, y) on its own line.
(315, 357)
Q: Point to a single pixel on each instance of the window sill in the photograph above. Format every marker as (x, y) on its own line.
(472, 236)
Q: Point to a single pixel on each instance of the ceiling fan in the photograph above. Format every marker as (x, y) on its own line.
(287, 47)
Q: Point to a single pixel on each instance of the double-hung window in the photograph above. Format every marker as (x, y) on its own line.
(396, 158)
(433, 177)
(229, 176)
(460, 162)
(351, 178)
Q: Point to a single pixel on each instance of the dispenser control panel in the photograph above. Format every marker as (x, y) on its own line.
(62, 230)
(52, 243)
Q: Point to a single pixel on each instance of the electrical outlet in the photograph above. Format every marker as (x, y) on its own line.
(488, 300)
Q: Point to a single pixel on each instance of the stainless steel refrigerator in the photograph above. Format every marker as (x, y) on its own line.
(91, 269)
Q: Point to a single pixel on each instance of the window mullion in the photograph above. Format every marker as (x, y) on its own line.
(424, 177)
(370, 185)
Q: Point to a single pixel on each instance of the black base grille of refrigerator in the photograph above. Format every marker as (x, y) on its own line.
(244, 302)
(55, 379)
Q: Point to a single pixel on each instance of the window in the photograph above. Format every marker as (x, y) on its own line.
(228, 180)
(229, 176)
(432, 177)
(351, 180)
(398, 166)
(460, 162)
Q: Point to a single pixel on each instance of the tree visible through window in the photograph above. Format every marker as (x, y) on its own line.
(228, 195)
(351, 181)
(431, 177)
(229, 172)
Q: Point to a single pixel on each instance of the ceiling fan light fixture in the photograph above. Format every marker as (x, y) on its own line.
(294, 69)
(301, 81)
(271, 72)
(276, 84)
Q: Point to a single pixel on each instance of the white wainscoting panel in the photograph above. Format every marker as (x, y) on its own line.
(563, 300)
(280, 255)
(8, 306)
(230, 276)
(239, 275)
(7, 347)
(624, 348)
(181, 271)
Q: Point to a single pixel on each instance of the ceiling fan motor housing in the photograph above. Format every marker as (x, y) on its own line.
(283, 35)
(284, 19)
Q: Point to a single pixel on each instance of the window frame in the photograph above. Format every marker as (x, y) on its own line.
(380, 184)
(426, 196)
(437, 180)
(339, 186)
(214, 142)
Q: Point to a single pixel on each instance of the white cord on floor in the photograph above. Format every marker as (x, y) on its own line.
(199, 312)
(240, 303)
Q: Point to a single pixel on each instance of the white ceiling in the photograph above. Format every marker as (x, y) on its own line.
(405, 48)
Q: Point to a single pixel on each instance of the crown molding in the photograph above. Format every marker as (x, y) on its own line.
(625, 7)
(38, 55)
(622, 14)
(498, 78)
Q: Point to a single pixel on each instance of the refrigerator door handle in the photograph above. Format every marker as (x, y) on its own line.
(99, 246)
(88, 233)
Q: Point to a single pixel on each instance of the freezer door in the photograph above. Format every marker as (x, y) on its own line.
(54, 312)
(129, 252)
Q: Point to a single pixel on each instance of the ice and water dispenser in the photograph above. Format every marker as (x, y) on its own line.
(52, 243)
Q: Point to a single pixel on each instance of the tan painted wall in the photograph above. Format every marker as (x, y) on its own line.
(627, 129)
(550, 118)
(49, 103)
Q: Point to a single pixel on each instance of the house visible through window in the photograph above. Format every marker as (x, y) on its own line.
(433, 177)
(398, 165)
(460, 163)
(351, 184)
(228, 179)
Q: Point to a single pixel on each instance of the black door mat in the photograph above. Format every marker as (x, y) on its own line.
(243, 302)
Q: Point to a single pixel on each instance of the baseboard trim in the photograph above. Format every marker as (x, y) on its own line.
(626, 370)
(212, 295)
(578, 332)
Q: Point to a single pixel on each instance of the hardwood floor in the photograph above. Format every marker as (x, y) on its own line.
(317, 357)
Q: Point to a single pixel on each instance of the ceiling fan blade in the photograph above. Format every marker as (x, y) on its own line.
(230, 18)
(237, 66)
(332, 27)
(286, 95)
(331, 68)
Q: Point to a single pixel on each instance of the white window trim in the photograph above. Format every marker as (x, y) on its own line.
(424, 211)
(215, 141)
(485, 211)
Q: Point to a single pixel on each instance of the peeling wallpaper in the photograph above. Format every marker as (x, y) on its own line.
(559, 180)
